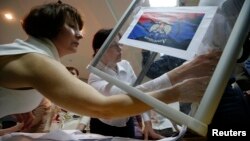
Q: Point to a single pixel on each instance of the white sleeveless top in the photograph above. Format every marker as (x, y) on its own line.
(22, 101)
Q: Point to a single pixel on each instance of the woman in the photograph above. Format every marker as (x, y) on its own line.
(112, 64)
(30, 70)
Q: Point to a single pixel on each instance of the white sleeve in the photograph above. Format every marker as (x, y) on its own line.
(85, 120)
(155, 84)
(103, 86)
(146, 116)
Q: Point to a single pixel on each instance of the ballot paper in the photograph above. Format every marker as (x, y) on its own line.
(61, 135)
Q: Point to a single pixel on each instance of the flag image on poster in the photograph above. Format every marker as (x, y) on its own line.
(174, 31)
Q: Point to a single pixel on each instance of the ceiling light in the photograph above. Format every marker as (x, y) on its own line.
(8, 16)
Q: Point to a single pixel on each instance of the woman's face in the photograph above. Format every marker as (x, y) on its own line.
(113, 53)
(68, 38)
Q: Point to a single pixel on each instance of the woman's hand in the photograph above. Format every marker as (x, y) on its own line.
(192, 90)
(81, 126)
(202, 65)
(148, 131)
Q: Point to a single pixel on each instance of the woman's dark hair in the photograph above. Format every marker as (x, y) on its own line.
(46, 21)
(71, 69)
(99, 38)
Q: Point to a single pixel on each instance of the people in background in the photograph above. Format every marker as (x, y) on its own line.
(111, 63)
(37, 120)
(41, 114)
(30, 70)
(72, 120)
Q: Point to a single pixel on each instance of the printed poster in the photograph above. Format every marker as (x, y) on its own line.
(174, 31)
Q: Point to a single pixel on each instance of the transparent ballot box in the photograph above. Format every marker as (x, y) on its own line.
(144, 29)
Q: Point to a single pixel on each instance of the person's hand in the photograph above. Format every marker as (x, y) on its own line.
(192, 90)
(26, 119)
(81, 127)
(149, 132)
(202, 65)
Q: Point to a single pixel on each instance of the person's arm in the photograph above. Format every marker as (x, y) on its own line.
(148, 130)
(84, 122)
(202, 65)
(54, 81)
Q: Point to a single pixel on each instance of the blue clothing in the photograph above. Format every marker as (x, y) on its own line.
(160, 66)
(233, 111)
(247, 66)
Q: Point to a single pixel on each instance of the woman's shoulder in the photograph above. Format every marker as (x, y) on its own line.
(125, 65)
(31, 45)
